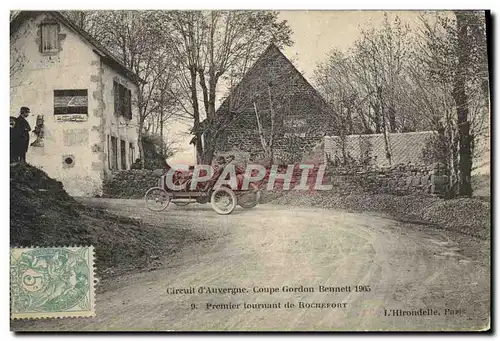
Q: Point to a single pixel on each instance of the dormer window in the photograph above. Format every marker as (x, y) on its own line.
(50, 41)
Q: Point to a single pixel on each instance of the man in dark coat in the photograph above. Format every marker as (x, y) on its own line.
(13, 140)
(22, 134)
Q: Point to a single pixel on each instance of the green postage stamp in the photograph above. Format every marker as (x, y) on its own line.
(52, 282)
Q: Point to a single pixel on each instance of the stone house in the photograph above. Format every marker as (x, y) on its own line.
(275, 93)
(83, 101)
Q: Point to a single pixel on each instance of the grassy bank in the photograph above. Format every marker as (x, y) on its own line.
(43, 214)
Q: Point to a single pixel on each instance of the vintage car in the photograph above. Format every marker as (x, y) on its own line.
(223, 199)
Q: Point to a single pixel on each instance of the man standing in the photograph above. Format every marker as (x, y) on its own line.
(21, 133)
(231, 160)
(13, 140)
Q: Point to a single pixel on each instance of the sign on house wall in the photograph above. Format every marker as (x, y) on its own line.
(71, 105)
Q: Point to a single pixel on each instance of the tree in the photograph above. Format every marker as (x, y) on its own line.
(163, 108)
(268, 141)
(92, 22)
(336, 79)
(365, 84)
(457, 57)
(18, 59)
(434, 77)
(153, 158)
(213, 47)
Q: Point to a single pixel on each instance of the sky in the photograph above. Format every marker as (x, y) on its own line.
(315, 33)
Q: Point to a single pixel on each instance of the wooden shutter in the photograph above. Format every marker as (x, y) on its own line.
(123, 154)
(123, 100)
(129, 101)
(114, 148)
(50, 42)
(131, 153)
(109, 152)
(123, 96)
(116, 88)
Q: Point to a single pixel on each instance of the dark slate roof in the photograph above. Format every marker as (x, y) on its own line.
(98, 48)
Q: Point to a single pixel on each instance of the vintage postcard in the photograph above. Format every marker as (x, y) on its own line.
(230, 170)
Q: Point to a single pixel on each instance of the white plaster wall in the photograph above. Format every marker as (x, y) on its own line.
(405, 147)
(118, 126)
(76, 66)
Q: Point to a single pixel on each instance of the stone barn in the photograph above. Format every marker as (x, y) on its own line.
(83, 101)
(273, 107)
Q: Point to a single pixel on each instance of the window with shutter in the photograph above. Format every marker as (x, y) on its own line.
(123, 154)
(123, 101)
(50, 41)
(116, 87)
(129, 109)
(131, 153)
(114, 153)
(109, 152)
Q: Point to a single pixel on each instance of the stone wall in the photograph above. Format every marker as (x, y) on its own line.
(130, 184)
(396, 180)
(287, 150)
(401, 179)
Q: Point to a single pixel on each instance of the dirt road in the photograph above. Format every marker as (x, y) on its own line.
(407, 269)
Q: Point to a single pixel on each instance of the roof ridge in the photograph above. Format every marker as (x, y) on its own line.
(272, 46)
